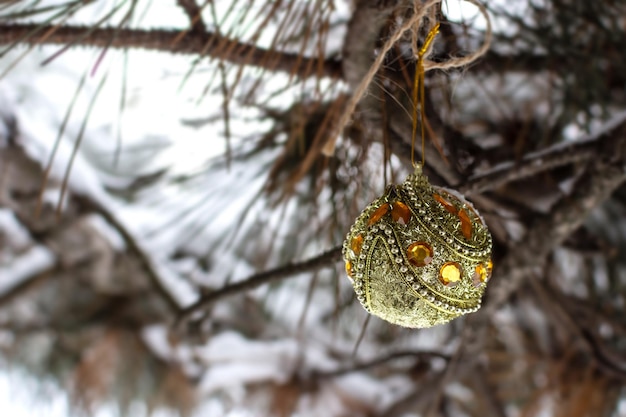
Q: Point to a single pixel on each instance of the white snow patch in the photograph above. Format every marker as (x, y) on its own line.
(15, 234)
(234, 361)
(514, 229)
(369, 391)
(155, 337)
(460, 392)
(32, 262)
(571, 264)
(317, 357)
(324, 402)
(182, 290)
(23, 396)
(601, 274)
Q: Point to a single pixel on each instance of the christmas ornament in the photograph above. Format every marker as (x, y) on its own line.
(420, 255)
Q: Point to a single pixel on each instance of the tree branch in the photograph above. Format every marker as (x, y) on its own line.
(487, 392)
(171, 41)
(605, 361)
(555, 61)
(273, 275)
(601, 144)
(194, 13)
(419, 355)
(597, 185)
(362, 37)
(607, 171)
(24, 286)
(135, 248)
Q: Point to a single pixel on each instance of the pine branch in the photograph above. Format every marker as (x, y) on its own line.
(525, 260)
(425, 356)
(600, 145)
(175, 42)
(135, 248)
(607, 171)
(322, 260)
(487, 392)
(194, 13)
(363, 36)
(606, 361)
(23, 287)
(605, 176)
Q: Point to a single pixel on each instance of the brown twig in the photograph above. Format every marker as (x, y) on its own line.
(362, 37)
(134, 247)
(312, 264)
(170, 41)
(194, 13)
(415, 401)
(606, 172)
(534, 163)
(25, 286)
(487, 392)
(595, 187)
(604, 360)
(415, 354)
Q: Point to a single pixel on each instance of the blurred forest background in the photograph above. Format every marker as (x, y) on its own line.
(172, 207)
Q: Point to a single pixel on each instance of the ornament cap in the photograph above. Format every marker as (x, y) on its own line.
(417, 171)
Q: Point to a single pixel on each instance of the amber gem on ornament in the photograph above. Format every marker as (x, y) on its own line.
(400, 213)
(349, 268)
(450, 274)
(466, 224)
(445, 203)
(356, 244)
(378, 214)
(482, 273)
(420, 253)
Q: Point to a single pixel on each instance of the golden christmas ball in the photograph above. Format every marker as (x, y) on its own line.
(420, 255)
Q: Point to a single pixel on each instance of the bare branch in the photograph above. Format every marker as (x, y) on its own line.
(171, 41)
(555, 61)
(135, 248)
(418, 355)
(601, 144)
(605, 361)
(20, 289)
(194, 13)
(607, 171)
(366, 23)
(487, 392)
(324, 259)
(595, 188)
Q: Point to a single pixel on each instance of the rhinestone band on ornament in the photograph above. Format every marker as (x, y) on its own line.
(437, 301)
(374, 214)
